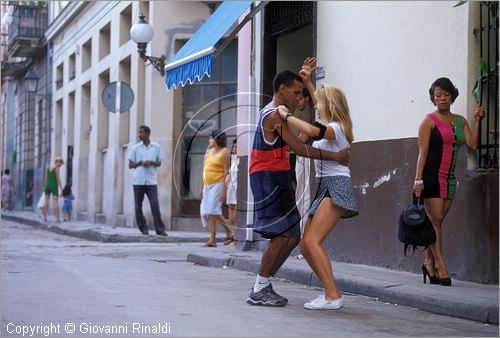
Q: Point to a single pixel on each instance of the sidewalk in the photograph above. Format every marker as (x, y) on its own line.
(467, 300)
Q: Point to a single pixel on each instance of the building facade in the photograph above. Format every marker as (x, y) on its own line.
(26, 108)
(91, 49)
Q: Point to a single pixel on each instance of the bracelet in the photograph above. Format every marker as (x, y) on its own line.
(287, 116)
(418, 182)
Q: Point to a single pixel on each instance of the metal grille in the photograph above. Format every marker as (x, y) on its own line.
(289, 15)
(28, 22)
(486, 89)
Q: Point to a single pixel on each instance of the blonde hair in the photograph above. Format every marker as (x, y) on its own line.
(57, 159)
(333, 107)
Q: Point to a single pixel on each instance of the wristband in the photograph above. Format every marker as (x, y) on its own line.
(418, 182)
(322, 130)
(287, 116)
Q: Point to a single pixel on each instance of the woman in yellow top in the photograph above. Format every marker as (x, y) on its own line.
(213, 191)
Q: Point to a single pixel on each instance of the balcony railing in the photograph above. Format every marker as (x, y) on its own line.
(27, 30)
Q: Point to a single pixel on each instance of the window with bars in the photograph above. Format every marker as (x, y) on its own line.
(289, 15)
(486, 88)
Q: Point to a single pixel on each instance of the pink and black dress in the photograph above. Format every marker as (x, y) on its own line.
(271, 183)
(439, 171)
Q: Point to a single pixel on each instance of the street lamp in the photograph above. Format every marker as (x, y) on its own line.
(31, 81)
(142, 34)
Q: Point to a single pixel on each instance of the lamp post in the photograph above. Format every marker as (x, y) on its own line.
(142, 34)
(31, 81)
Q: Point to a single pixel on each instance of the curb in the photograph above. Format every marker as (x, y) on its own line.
(398, 294)
(97, 236)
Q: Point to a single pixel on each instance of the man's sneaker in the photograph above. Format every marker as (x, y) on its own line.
(321, 303)
(266, 297)
(276, 294)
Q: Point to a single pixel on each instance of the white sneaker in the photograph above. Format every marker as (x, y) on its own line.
(321, 298)
(321, 303)
(314, 300)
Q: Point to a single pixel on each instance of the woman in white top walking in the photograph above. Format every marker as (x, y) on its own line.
(335, 197)
(232, 185)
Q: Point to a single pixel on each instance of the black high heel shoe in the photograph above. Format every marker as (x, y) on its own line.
(432, 279)
(444, 281)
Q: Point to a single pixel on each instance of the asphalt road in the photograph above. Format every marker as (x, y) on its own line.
(57, 285)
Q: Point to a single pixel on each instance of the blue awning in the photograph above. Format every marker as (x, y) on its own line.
(194, 60)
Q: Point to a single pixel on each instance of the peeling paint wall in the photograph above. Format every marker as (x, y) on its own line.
(470, 231)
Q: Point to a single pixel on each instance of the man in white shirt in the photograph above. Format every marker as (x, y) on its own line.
(145, 158)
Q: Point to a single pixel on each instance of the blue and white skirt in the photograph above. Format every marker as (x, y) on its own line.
(339, 189)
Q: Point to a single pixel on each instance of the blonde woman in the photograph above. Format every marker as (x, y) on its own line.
(52, 183)
(335, 197)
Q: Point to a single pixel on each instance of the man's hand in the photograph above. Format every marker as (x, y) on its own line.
(147, 163)
(343, 156)
(283, 111)
(303, 137)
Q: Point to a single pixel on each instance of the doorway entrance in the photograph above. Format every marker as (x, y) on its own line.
(289, 38)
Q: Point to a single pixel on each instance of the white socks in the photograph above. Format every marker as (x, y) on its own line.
(260, 283)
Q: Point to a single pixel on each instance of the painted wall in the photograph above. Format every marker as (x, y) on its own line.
(385, 55)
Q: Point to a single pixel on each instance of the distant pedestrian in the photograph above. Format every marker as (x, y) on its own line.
(276, 215)
(7, 190)
(305, 109)
(440, 136)
(232, 187)
(52, 185)
(67, 208)
(145, 157)
(213, 190)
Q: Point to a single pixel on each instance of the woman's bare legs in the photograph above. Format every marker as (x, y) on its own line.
(312, 248)
(212, 228)
(222, 221)
(232, 217)
(56, 208)
(437, 209)
(46, 207)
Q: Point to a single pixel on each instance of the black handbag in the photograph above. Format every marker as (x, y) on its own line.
(415, 227)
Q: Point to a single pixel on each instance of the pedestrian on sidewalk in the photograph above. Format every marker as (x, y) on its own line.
(304, 111)
(52, 184)
(270, 172)
(232, 186)
(8, 190)
(145, 157)
(440, 136)
(334, 198)
(67, 208)
(213, 188)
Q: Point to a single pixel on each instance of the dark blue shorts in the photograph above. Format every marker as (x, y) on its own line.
(274, 204)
